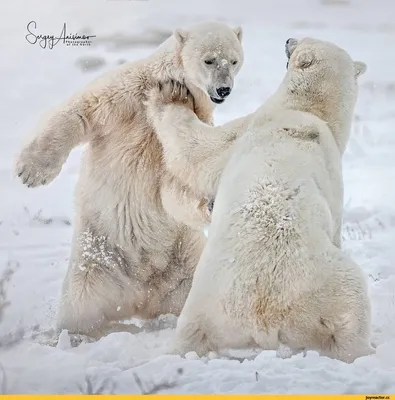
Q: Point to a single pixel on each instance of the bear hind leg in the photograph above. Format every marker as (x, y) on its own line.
(97, 291)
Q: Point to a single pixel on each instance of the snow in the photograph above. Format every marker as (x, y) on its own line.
(36, 224)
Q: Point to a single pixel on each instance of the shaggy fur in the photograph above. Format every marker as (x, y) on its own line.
(272, 273)
(136, 233)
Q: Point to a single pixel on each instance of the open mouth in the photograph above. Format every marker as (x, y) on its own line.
(217, 101)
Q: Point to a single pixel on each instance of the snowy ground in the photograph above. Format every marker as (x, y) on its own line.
(35, 230)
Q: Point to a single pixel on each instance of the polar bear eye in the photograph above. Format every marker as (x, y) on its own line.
(306, 64)
(234, 62)
(209, 62)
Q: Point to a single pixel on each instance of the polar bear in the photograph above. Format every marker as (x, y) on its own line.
(136, 239)
(272, 273)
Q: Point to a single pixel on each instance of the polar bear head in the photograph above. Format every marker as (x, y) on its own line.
(211, 55)
(322, 79)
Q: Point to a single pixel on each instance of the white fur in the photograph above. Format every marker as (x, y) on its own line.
(272, 272)
(131, 254)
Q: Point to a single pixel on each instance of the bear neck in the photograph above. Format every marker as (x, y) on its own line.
(335, 108)
(165, 62)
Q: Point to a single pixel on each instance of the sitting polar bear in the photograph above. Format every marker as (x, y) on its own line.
(136, 238)
(272, 273)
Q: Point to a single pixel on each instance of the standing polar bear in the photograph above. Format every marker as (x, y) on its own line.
(272, 273)
(136, 238)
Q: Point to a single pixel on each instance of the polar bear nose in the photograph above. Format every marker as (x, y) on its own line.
(290, 46)
(223, 91)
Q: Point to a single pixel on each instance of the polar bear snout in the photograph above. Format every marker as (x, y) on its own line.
(290, 46)
(210, 205)
(220, 91)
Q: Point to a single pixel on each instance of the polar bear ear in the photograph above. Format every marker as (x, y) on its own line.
(181, 35)
(238, 32)
(360, 68)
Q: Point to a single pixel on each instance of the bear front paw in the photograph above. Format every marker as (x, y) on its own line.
(174, 92)
(36, 169)
(169, 92)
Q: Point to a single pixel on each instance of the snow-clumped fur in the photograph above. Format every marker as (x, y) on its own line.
(273, 274)
(131, 254)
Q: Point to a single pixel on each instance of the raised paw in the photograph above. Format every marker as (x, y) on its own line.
(174, 92)
(169, 92)
(35, 168)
